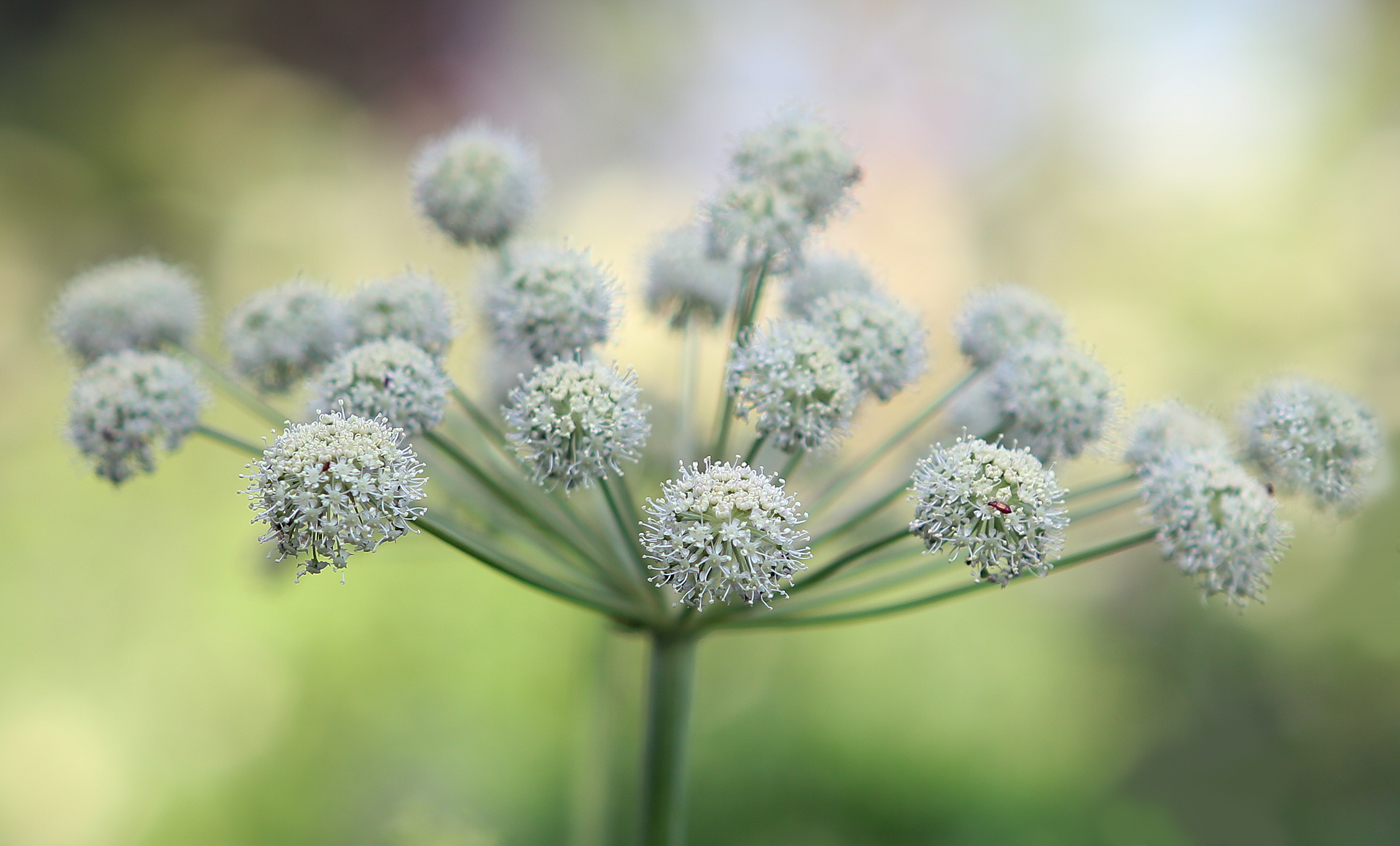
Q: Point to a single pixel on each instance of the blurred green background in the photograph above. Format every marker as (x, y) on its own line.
(1211, 188)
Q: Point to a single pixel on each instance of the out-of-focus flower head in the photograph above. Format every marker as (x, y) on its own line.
(997, 320)
(1055, 399)
(477, 184)
(792, 381)
(1169, 427)
(821, 275)
(881, 339)
(411, 306)
(138, 304)
(553, 302)
(393, 379)
(280, 335)
(685, 282)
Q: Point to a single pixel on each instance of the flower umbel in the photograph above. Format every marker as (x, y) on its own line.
(820, 276)
(1169, 427)
(802, 155)
(335, 485)
(553, 302)
(725, 531)
(686, 281)
(791, 378)
(280, 335)
(477, 184)
(573, 421)
(1055, 399)
(1215, 522)
(880, 339)
(411, 306)
(1313, 438)
(995, 321)
(996, 508)
(133, 304)
(393, 379)
(122, 405)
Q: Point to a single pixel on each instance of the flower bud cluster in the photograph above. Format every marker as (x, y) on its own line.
(337, 484)
(1170, 427)
(573, 421)
(1215, 521)
(998, 320)
(725, 531)
(553, 302)
(410, 306)
(138, 304)
(792, 381)
(1312, 438)
(280, 335)
(1055, 399)
(684, 280)
(477, 184)
(822, 275)
(998, 509)
(392, 379)
(881, 340)
(122, 405)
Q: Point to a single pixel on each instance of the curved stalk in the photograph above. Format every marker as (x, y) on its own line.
(791, 465)
(234, 388)
(1103, 508)
(479, 417)
(670, 689)
(1115, 482)
(827, 571)
(753, 450)
(220, 436)
(862, 515)
(746, 306)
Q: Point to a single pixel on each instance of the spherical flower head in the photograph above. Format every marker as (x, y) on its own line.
(553, 302)
(686, 282)
(803, 156)
(280, 335)
(820, 276)
(573, 421)
(477, 184)
(879, 338)
(337, 484)
(996, 321)
(756, 223)
(1312, 438)
(392, 379)
(1055, 399)
(790, 378)
(1170, 427)
(123, 405)
(1216, 522)
(411, 306)
(725, 531)
(133, 304)
(998, 509)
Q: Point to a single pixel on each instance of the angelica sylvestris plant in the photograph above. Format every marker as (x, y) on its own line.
(764, 517)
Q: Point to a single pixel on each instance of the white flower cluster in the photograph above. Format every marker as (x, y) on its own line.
(280, 335)
(725, 531)
(998, 509)
(573, 421)
(477, 184)
(1055, 399)
(411, 306)
(1170, 427)
(998, 320)
(123, 404)
(1215, 521)
(879, 338)
(1310, 437)
(335, 485)
(133, 304)
(792, 380)
(822, 275)
(553, 302)
(684, 280)
(393, 379)
(790, 176)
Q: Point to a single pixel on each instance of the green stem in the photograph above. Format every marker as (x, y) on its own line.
(227, 440)
(862, 515)
(629, 538)
(791, 465)
(689, 390)
(948, 593)
(669, 693)
(1102, 486)
(249, 400)
(861, 467)
(746, 306)
(1112, 504)
(753, 450)
(827, 571)
(479, 417)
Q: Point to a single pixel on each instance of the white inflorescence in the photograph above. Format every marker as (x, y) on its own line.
(134, 304)
(553, 302)
(410, 306)
(123, 404)
(822, 275)
(1215, 522)
(477, 184)
(792, 380)
(393, 379)
(878, 337)
(725, 531)
(995, 321)
(283, 334)
(1313, 438)
(573, 421)
(335, 485)
(998, 509)
(1055, 399)
(1170, 427)
(684, 280)
(756, 222)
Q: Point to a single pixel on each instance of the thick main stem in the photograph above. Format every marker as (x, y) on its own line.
(669, 693)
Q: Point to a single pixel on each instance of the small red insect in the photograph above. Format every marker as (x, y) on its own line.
(1000, 506)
